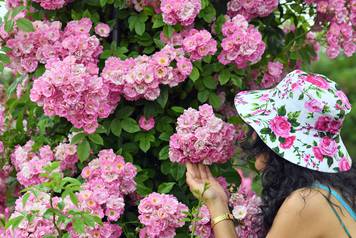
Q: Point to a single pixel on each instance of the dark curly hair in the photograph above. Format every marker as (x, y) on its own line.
(281, 177)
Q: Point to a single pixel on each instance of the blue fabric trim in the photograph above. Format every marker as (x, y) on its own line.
(339, 198)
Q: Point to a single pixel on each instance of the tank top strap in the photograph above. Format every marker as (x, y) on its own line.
(338, 197)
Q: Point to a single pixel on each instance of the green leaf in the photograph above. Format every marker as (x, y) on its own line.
(209, 82)
(194, 75)
(4, 58)
(203, 96)
(168, 31)
(282, 111)
(73, 198)
(140, 28)
(124, 112)
(178, 109)
(130, 125)
(83, 150)
(25, 25)
(157, 21)
(165, 187)
(215, 100)
(266, 131)
(116, 127)
(89, 220)
(142, 189)
(163, 154)
(224, 76)
(25, 198)
(77, 138)
(14, 222)
(163, 97)
(78, 225)
(177, 171)
(96, 138)
(9, 25)
(103, 3)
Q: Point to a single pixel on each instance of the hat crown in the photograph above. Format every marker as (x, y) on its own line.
(315, 94)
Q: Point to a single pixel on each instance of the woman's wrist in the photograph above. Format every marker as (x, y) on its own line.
(217, 207)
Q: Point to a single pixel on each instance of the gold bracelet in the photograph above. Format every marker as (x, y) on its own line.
(226, 216)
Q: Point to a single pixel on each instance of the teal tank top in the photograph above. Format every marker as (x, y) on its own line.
(342, 202)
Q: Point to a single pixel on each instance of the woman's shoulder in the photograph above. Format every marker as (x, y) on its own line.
(300, 214)
(307, 202)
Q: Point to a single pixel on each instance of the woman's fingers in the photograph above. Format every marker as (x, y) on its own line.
(192, 169)
(202, 170)
(194, 186)
(208, 172)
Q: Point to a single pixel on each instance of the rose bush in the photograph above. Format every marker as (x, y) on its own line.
(100, 85)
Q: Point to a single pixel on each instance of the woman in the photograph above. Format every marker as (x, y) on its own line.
(309, 185)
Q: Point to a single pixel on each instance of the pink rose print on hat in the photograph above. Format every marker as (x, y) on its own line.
(317, 153)
(344, 100)
(328, 146)
(280, 126)
(344, 164)
(314, 105)
(288, 143)
(318, 81)
(327, 124)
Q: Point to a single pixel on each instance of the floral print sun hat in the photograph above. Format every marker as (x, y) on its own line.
(300, 120)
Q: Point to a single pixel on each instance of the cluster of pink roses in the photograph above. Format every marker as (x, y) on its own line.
(28, 49)
(46, 4)
(67, 155)
(29, 165)
(251, 9)
(247, 210)
(73, 91)
(141, 77)
(161, 214)
(183, 12)
(273, 74)
(107, 230)
(202, 138)
(203, 227)
(107, 180)
(199, 44)
(242, 43)
(195, 43)
(340, 15)
(38, 226)
(48, 41)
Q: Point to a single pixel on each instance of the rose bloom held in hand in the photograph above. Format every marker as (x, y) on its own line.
(202, 138)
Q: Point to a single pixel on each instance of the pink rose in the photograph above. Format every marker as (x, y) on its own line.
(323, 123)
(102, 30)
(345, 101)
(146, 124)
(317, 153)
(328, 146)
(280, 126)
(344, 164)
(335, 126)
(289, 141)
(318, 81)
(314, 106)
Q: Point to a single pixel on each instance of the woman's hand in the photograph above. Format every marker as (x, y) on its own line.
(199, 176)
